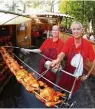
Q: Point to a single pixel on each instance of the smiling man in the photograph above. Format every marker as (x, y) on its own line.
(75, 47)
(50, 48)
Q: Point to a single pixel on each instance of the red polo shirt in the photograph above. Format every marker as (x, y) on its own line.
(48, 43)
(50, 49)
(86, 49)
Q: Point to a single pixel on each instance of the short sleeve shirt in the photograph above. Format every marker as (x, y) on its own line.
(48, 43)
(85, 48)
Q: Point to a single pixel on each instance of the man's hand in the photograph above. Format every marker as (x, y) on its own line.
(83, 77)
(25, 51)
(55, 64)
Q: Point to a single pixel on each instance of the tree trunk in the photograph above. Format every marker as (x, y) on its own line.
(93, 24)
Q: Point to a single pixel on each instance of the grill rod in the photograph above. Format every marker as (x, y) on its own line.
(42, 74)
(11, 47)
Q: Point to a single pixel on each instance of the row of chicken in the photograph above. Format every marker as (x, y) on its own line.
(4, 40)
(4, 71)
(44, 93)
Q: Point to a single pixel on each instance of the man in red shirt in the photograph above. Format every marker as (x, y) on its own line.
(50, 48)
(73, 46)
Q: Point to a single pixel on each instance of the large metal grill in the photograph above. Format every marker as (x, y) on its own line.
(31, 63)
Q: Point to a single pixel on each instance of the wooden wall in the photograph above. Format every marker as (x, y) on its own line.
(64, 37)
(23, 30)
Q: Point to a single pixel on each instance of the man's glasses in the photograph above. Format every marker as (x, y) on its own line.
(55, 30)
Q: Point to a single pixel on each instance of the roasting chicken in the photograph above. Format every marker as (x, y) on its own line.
(42, 84)
(50, 94)
(46, 93)
(30, 80)
(15, 65)
(52, 97)
(3, 49)
(21, 74)
(41, 90)
(29, 88)
(27, 79)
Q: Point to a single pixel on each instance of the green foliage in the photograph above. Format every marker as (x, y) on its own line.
(83, 11)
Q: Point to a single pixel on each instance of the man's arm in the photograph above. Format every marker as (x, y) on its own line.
(26, 51)
(34, 50)
(55, 64)
(89, 72)
(92, 67)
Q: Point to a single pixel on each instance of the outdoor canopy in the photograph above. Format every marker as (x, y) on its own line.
(11, 18)
(7, 18)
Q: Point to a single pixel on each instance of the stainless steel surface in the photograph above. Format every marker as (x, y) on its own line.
(72, 88)
(10, 47)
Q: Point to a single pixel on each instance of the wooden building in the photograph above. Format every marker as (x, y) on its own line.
(19, 27)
